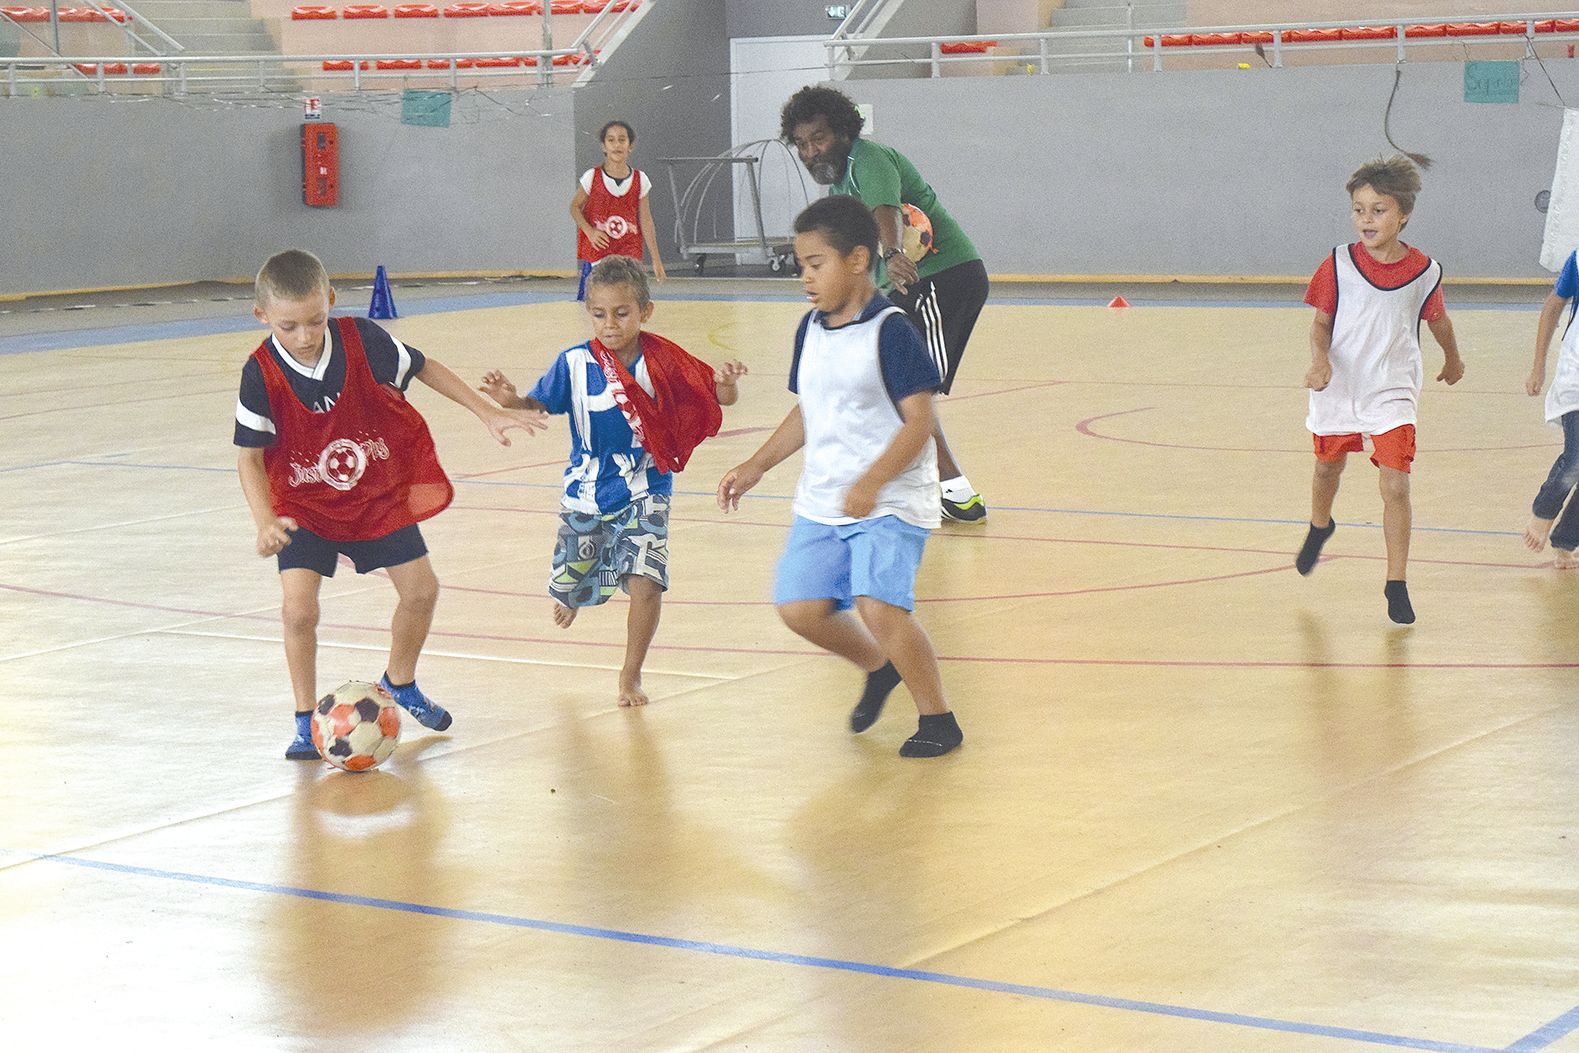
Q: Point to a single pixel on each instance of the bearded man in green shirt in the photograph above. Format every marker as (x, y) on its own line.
(939, 281)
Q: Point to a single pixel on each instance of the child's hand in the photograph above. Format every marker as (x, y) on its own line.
(276, 535)
(598, 238)
(1319, 375)
(733, 486)
(1452, 370)
(658, 271)
(498, 387)
(731, 371)
(500, 421)
(1535, 381)
(860, 499)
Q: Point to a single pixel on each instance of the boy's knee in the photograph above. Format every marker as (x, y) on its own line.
(299, 616)
(640, 588)
(421, 591)
(1329, 469)
(1394, 485)
(880, 617)
(801, 617)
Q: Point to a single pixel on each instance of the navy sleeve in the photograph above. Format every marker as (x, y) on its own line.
(1568, 280)
(553, 387)
(800, 341)
(391, 361)
(254, 426)
(907, 368)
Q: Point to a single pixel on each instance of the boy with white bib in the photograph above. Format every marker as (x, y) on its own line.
(1365, 373)
(867, 498)
(1562, 408)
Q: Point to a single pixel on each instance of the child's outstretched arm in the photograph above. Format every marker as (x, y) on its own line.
(1452, 364)
(917, 413)
(1551, 311)
(501, 389)
(649, 233)
(441, 378)
(724, 381)
(273, 531)
(1320, 373)
(785, 440)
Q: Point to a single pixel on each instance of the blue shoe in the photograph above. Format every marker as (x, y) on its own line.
(410, 698)
(301, 748)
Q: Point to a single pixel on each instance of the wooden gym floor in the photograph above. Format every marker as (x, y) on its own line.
(1203, 804)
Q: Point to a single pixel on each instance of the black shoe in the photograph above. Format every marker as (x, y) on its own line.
(970, 510)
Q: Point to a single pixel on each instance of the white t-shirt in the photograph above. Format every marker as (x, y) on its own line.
(619, 189)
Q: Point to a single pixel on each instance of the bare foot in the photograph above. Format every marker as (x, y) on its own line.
(631, 693)
(1566, 559)
(1535, 533)
(563, 615)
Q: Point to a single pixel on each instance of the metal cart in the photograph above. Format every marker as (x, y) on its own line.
(698, 205)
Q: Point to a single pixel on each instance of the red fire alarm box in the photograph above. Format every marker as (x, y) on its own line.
(320, 165)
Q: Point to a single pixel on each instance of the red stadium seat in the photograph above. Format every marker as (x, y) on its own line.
(1473, 29)
(1171, 40)
(1312, 36)
(1256, 37)
(1216, 39)
(529, 61)
(515, 8)
(592, 7)
(88, 14)
(147, 69)
(1546, 25)
(312, 13)
(564, 7)
(1565, 25)
(26, 14)
(1370, 33)
(1429, 30)
(1513, 29)
(968, 47)
(111, 69)
(399, 63)
(497, 63)
(364, 11)
(416, 11)
(341, 66)
(466, 11)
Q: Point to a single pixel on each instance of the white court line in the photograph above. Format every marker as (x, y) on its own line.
(433, 652)
(116, 526)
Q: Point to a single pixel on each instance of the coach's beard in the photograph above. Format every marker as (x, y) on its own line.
(826, 172)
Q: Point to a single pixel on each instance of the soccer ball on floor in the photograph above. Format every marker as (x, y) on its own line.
(917, 232)
(356, 726)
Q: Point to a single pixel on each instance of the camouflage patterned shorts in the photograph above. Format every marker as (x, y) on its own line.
(593, 553)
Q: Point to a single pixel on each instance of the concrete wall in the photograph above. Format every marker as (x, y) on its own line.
(1221, 172)
(149, 191)
(778, 18)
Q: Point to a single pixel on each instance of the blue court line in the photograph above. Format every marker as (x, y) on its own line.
(1547, 1034)
(241, 321)
(1259, 521)
(1050, 994)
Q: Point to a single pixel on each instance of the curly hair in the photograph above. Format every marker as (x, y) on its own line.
(1395, 176)
(621, 270)
(805, 105)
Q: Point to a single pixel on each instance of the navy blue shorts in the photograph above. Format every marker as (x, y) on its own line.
(309, 551)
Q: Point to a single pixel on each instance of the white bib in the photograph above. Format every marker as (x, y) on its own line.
(1376, 367)
(1563, 396)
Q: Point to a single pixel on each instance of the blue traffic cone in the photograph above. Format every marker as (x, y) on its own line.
(383, 305)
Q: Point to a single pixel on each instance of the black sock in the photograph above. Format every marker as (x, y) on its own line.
(1398, 606)
(935, 736)
(1305, 562)
(878, 686)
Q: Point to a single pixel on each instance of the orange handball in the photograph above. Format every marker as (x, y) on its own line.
(356, 726)
(917, 233)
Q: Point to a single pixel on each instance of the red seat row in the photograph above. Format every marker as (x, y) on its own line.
(510, 8)
(119, 69)
(67, 14)
(1319, 36)
(523, 61)
(968, 47)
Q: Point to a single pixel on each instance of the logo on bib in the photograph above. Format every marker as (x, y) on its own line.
(617, 227)
(341, 464)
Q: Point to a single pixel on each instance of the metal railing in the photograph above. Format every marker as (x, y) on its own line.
(1131, 42)
(133, 17)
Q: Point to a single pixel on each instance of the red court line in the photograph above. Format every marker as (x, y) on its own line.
(512, 468)
(1005, 391)
(1084, 428)
(76, 406)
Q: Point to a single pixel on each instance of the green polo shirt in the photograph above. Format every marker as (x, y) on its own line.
(881, 175)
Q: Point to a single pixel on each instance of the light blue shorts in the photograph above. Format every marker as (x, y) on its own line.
(874, 557)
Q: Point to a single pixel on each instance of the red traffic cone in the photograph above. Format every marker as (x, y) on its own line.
(1117, 301)
(383, 305)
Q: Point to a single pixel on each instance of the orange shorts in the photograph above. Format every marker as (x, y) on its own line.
(1391, 449)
